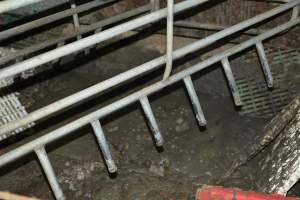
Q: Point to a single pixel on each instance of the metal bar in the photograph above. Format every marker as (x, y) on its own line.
(58, 45)
(170, 39)
(51, 18)
(195, 101)
(272, 1)
(295, 12)
(102, 141)
(98, 30)
(93, 39)
(264, 64)
(9, 5)
(155, 5)
(75, 19)
(231, 82)
(213, 27)
(84, 30)
(146, 67)
(47, 168)
(77, 23)
(159, 141)
(68, 128)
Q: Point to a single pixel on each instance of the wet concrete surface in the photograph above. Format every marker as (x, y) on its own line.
(192, 156)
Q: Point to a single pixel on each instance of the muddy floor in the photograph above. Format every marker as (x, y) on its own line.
(192, 156)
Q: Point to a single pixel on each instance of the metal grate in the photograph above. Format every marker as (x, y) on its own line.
(277, 56)
(258, 100)
(11, 109)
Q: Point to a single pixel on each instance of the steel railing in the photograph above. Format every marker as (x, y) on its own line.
(141, 96)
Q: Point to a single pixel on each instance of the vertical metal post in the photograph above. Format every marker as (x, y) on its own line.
(87, 50)
(264, 64)
(232, 84)
(19, 59)
(58, 45)
(295, 13)
(75, 19)
(195, 101)
(155, 5)
(170, 39)
(47, 168)
(151, 121)
(77, 24)
(111, 166)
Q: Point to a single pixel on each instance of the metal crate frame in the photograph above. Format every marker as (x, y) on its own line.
(38, 145)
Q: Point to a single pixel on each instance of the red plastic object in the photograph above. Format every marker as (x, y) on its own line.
(219, 193)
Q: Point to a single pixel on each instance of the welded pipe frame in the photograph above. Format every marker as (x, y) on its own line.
(146, 67)
(132, 98)
(94, 39)
(51, 18)
(86, 29)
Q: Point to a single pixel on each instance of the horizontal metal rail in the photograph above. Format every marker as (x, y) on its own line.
(146, 67)
(19, 55)
(9, 5)
(271, 1)
(213, 27)
(94, 39)
(51, 18)
(64, 130)
(38, 144)
(296, 10)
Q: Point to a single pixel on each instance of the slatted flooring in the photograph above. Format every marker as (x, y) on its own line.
(11, 109)
(260, 101)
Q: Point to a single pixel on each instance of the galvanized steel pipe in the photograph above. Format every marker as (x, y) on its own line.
(83, 30)
(146, 67)
(170, 39)
(49, 19)
(68, 128)
(94, 39)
